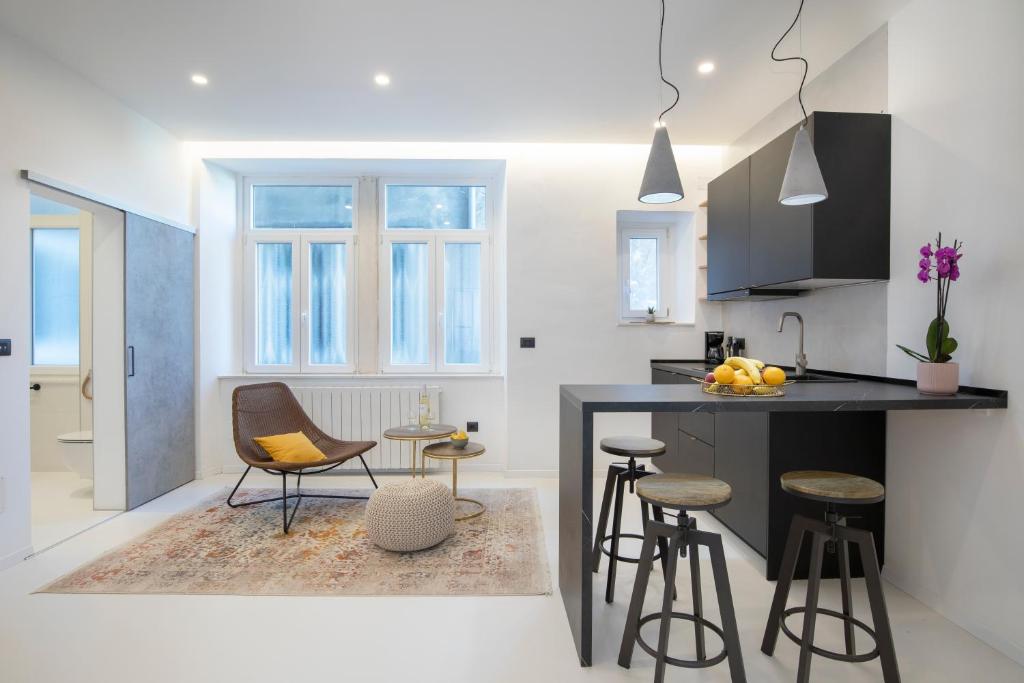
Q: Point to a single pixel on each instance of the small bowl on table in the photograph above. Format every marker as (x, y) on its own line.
(459, 443)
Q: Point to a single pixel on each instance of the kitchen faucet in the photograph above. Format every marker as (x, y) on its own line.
(801, 359)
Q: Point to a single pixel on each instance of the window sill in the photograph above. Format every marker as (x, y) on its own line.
(657, 323)
(352, 376)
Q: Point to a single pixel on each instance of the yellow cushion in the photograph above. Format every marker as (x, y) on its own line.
(294, 447)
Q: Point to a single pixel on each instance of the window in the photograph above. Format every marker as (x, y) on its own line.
(657, 265)
(435, 277)
(55, 304)
(300, 274)
(429, 243)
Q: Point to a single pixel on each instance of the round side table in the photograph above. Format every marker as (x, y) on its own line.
(414, 434)
(446, 451)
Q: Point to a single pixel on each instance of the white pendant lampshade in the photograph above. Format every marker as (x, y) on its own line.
(803, 183)
(661, 183)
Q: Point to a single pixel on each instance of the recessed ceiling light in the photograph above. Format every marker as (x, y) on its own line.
(200, 79)
(382, 79)
(706, 67)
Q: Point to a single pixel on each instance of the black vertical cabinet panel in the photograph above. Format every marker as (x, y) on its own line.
(575, 502)
(854, 153)
(741, 460)
(851, 442)
(729, 229)
(665, 427)
(780, 236)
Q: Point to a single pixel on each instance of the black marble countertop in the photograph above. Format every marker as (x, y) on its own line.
(866, 393)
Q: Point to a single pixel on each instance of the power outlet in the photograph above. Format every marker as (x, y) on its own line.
(527, 342)
(472, 426)
(5, 347)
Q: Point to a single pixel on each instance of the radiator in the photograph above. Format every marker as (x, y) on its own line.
(362, 413)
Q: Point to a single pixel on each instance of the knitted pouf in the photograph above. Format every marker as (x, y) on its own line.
(412, 515)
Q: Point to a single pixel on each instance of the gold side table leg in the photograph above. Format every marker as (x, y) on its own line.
(412, 458)
(455, 495)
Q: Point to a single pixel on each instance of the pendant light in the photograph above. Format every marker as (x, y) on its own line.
(802, 183)
(661, 183)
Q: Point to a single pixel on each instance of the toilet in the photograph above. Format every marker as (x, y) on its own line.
(76, 451)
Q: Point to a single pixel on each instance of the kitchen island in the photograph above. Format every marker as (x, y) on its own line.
(805, 403)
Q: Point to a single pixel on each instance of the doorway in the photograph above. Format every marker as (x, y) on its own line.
(61, 377)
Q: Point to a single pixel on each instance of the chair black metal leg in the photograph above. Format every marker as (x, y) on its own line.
(235, 490)
(284, 501)
(695, 589)
(803, 674)
(620, 493)
(730, 629)
(666, 609)
(659, 516)
(636, 602)
(365, 467)
(786, 569)
(843, 557)
(879, 613)
(602, 520)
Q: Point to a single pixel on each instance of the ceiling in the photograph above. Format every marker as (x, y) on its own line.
(461, 70)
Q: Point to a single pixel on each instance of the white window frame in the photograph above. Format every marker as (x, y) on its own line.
(665, 269)
(300, 239)
(436, 238)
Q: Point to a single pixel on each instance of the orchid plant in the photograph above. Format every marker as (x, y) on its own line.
(942, 266)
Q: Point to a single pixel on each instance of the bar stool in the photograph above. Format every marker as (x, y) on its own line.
(632, 447)
(832, 535)
(683, 492)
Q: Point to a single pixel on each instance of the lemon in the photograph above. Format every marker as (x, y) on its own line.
(724, 374)
(773, 375)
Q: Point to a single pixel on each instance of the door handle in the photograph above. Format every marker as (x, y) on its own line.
(87, 386)
(35, 387)
(131, 361)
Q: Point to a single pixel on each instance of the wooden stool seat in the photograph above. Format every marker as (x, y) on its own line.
(833, 487)
(684, 491)
(633, 446)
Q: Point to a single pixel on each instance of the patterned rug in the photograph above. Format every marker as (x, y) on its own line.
(216, 550)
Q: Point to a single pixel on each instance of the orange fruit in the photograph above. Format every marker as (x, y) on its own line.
(773, 375)
(743, 384)
(724, 374)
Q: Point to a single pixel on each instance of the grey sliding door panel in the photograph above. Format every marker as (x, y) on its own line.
(159, 374)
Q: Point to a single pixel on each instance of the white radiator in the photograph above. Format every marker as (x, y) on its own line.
(362, 413)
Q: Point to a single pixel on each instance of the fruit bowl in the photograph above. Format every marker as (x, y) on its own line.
(459, 443)
(756, 390)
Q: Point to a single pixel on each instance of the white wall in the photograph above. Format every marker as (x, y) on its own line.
(560, 262)
(97, 144)
(836, 338)
(956, 91)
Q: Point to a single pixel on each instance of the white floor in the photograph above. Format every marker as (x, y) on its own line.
(112, 638)
(61, 508)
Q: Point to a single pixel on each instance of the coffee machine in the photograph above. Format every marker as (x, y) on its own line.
(714, 354)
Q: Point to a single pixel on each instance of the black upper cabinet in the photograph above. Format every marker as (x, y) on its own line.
(842, 240)
(729, 241)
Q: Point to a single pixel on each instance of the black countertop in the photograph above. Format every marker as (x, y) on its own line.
(867, 393)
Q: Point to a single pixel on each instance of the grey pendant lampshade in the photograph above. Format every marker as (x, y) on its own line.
(803, 183)
(661, 183)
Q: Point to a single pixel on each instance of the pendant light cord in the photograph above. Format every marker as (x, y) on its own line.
(661, 70)
(800, 91)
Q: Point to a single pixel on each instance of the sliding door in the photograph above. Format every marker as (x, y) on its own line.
(159, 334)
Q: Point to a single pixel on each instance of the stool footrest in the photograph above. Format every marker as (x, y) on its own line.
(685, 663)
(839, 656)
(623, 558)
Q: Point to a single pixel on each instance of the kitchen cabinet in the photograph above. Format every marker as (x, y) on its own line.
(729, 242)
(741, 458)
(775, 250)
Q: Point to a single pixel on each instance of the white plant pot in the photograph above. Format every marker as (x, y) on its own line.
(650, 317)
(938, 379)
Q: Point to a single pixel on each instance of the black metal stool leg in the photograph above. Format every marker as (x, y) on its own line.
(666, 608)
(620, 485)
(698, 606)
(879, 613)
(636, 602)
(731, 634)
(790, 554)
(803, 674)
(659, 516)
(843, 558)
(602, 520)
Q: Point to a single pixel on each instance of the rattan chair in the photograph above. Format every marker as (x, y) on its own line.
(271, 408)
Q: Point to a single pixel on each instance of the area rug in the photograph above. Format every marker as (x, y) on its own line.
(216, 550)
